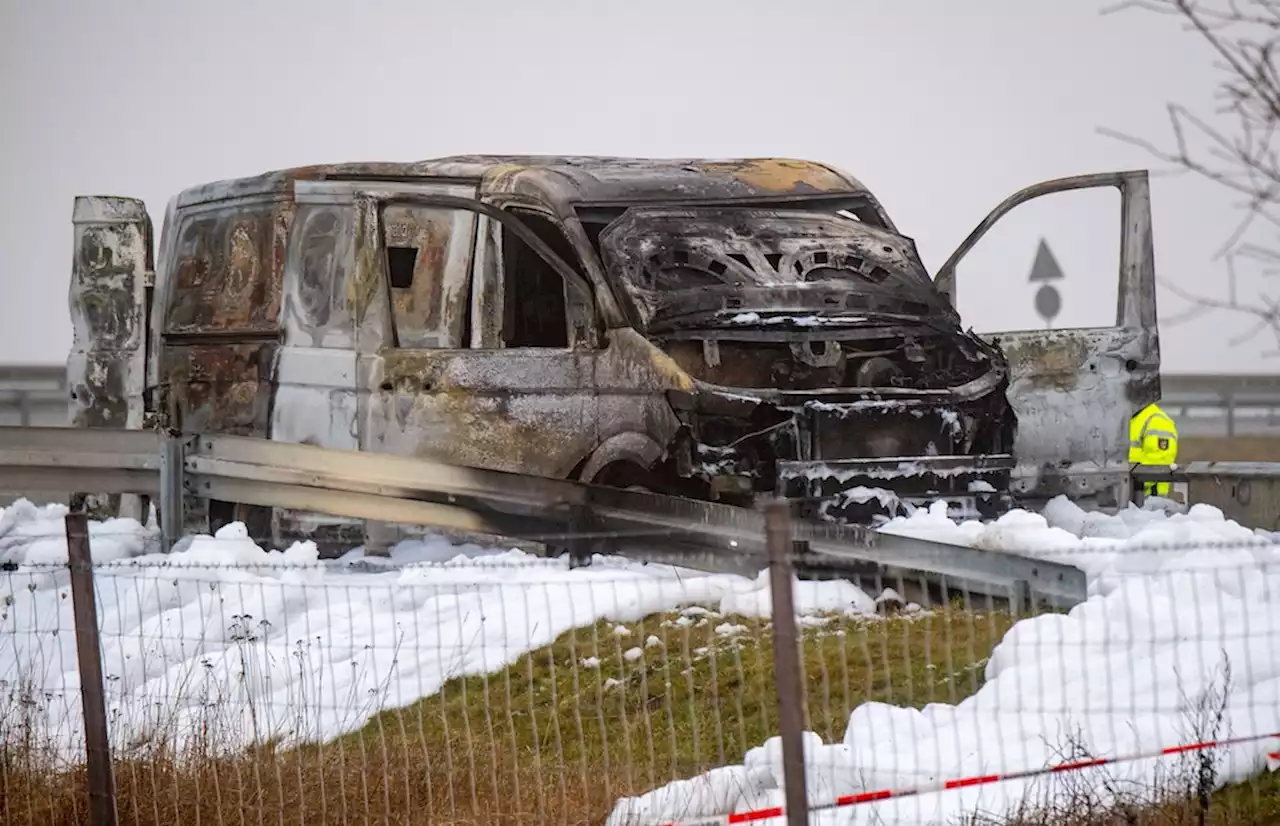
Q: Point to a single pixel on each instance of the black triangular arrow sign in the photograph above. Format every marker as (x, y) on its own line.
(1045, 267)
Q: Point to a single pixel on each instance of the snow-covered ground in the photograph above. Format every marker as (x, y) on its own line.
(282, 644)
(1182, 623)
(256, 644)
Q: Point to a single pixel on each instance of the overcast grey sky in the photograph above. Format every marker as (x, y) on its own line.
(943, 108)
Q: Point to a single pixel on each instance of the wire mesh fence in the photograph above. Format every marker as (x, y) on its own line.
(466, 684)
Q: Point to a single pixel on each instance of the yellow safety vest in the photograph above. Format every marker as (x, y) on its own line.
(1153, 440)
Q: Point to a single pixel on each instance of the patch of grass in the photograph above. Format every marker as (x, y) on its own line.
(599, 714)
(1229, 449)
(558, 735)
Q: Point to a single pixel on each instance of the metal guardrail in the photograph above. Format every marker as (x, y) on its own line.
(1248, 492)
(48, 459)
(56, 459)
(34, 394)
(1223, 405)
(403, 490)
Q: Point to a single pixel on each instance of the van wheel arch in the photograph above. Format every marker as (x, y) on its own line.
(627, 455)
(626, 475)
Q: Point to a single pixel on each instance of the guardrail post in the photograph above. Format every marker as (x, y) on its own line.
(580, 546)
(379, 538)
(786, 660)
(1023, 599)
(173, 458)
(102, 794)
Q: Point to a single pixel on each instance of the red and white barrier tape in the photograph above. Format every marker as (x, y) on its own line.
(1273, 764)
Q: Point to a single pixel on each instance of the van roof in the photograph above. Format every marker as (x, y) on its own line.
(581, 179)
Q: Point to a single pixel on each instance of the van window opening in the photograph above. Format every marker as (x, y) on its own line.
(536, 309)
(596, 218)
(427, 264)
(400, 264)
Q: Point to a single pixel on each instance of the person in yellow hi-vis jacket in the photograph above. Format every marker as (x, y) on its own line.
(1153, 440)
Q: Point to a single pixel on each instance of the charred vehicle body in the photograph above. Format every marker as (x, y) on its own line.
(721, 330)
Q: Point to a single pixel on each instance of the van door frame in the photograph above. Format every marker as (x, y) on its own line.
(1074, 390)
(589, 331)
(488, 405)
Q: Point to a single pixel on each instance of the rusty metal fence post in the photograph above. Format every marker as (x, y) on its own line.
(102, 794)
(786, 660)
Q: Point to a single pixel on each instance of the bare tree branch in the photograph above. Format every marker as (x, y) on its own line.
(1242, 38)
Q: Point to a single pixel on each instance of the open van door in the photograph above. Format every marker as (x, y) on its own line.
(111, 281)
(1074, 390)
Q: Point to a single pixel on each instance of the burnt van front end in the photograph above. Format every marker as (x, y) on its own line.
(826, 367)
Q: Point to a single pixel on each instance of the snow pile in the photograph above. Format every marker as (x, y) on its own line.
(34, 535)
(1178, 642)
(1108, 548)
(281, 644)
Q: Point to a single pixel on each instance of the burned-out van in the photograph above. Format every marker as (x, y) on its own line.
(723, 330)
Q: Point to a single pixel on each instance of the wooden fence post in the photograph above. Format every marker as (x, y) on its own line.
(786, 661)
(102, 793)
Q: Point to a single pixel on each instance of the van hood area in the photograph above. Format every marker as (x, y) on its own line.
(827, 367)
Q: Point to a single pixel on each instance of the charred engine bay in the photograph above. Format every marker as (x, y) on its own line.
(907, 412)
(896, 361)
(827, 366)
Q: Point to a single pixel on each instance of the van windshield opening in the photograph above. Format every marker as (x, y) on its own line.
(673, 262)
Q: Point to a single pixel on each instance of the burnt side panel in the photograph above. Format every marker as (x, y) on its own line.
(222, 320)
(222, 332)
(221, 388)
(227, 271)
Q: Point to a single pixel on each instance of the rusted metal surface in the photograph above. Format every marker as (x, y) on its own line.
(594, 179)
(108, 285)
(219, 293)
(221, 286)
(318, 266)
(537, 411)
(368, 296)
(226, 272)
(220, 388)
(430, 306)
(106, 368)
(717, 329)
